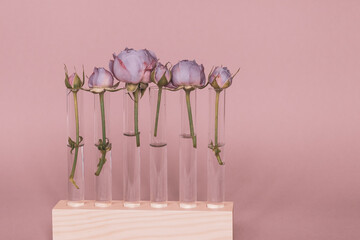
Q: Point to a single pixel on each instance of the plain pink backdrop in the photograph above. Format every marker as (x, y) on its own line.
(293, 112)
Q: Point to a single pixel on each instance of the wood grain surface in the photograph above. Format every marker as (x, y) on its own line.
(117, 222)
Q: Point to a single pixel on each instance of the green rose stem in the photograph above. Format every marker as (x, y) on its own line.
(136, 116)
(216, 147)
(157, 111)
(71, 178)
(103, 151)
(190, 117)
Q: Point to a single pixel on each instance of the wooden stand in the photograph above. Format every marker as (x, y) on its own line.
(143, 223)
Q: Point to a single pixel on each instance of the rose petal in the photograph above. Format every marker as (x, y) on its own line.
(195, 78)
(225, 76)
(146, 77)
(171, 85)
(133, 66)
(100, 78)
(71, 79)
(92, 78)
(111, 65)
(105, 79)
(120, 71)
(159, 72)
(202, 76)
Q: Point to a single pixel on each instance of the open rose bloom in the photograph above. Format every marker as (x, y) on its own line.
(101, 80)
(133, 66)
(188, 74)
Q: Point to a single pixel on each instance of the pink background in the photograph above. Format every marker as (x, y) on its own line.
(293, 112)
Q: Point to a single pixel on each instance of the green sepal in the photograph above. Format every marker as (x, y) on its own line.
(235, 73)
(166, 65)
(114, 90)
(77, 82)
(214, 84)
(204, 86)
(87, 90)
(189, 88)
(97, 90)
(174, 89)
(143, 87)
(130, 96)
(152, 76)
(67, 84)
(83, 80)
(131, 87)
(163, 81)
(116, 85)
(226, 85)
(211, 71)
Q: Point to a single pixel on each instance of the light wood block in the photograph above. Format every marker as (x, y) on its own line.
(143, 223)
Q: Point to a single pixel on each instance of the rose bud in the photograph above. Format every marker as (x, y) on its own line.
(101, 79)
(161, 75)
(221, 78)
(132, 66)
(188, 74)
(73, 82)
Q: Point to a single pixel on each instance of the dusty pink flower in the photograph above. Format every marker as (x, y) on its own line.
(188, 73)
(133, 66)
(161, 75)
(220, 78)
(101, 78)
